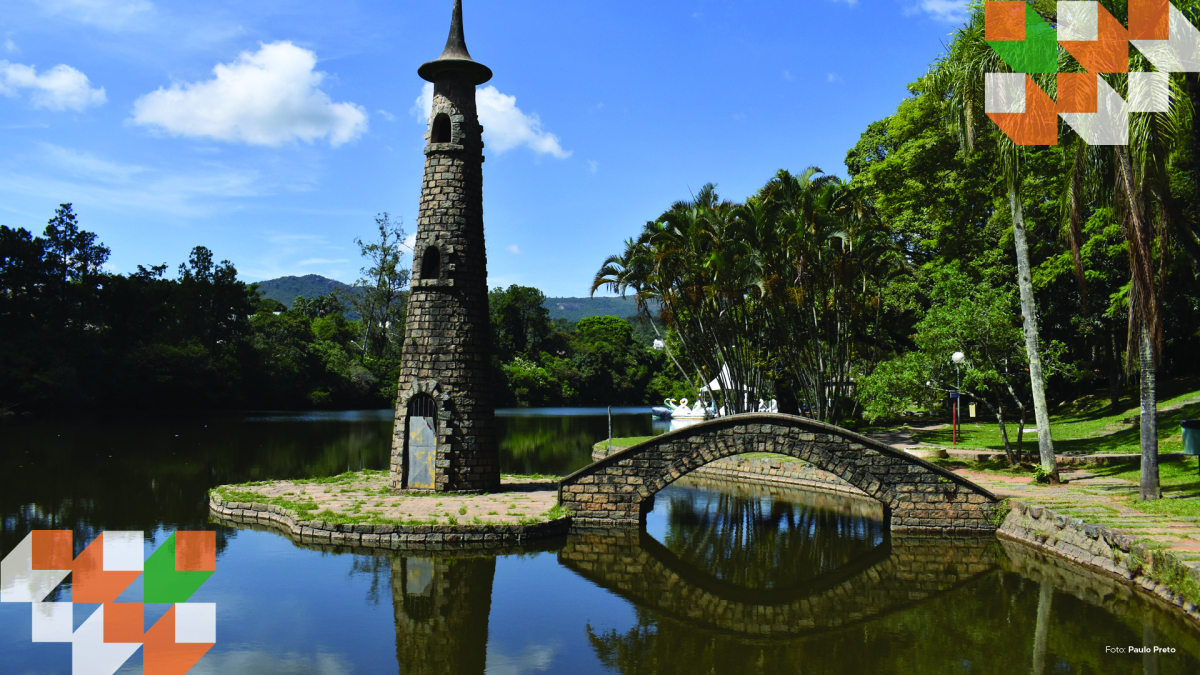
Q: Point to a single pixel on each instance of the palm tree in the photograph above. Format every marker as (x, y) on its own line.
(633, 269)
(959, 77)
(1144, 167)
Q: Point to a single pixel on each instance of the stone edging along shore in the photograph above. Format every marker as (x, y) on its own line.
(1156, 571)
(466, 536)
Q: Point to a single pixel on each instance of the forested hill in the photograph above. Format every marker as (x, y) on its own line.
(287, 289)
(574, 309)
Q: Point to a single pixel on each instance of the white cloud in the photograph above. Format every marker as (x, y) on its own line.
(833, 77)
(322, 261)
(531, 659)
(949, 11)
(787, 75)
(848, 2)
(60, 88)
(10, 46)
(269, 97)
(409, 242)
(51, 171)
(593, 165)
(110, 14)
(248, 661)
(386, 115)
(83, 165)
(504, 125)
(423, 106)
(513, 248)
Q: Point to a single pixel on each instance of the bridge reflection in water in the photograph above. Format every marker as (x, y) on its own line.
(762, 567)
(738, 579)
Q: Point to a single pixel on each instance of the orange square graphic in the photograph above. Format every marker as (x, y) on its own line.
(1077, 93)
(1004, 20)
(196, 551)
(52, 550)
(1148, 19)
(1038, 125)
(124, 621)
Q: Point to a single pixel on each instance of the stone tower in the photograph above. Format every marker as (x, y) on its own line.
(445, 432)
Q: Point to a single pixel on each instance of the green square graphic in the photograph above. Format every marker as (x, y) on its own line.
(1037, 53)
(162, 583)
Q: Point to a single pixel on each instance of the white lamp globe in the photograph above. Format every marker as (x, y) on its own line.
(958, 357)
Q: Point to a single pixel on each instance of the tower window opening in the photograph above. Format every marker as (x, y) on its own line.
(441, 129)
(422, 405)
(431, 263)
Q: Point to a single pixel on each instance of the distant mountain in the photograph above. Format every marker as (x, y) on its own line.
(287, 289)
(574, 309)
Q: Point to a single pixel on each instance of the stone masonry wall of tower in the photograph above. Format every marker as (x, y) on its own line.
(447, 351)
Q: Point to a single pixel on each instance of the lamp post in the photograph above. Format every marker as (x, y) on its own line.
(957, 358)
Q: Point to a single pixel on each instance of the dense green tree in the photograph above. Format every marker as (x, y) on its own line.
(520, 323)
(979, 321)
(379, 296)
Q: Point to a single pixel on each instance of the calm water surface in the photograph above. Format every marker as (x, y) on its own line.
(723, 579)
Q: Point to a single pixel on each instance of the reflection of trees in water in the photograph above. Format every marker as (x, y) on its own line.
(1000, 622)
(377, 568)
(559, 445)
(138, 472)
(655, 646)
(764, 542)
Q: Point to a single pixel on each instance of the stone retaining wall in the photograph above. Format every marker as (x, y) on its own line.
(773, 470)
(1096, 547)
(393, 537)
(1104, 459)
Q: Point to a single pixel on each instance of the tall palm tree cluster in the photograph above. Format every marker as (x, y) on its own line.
(1134, 181)
(779, 296)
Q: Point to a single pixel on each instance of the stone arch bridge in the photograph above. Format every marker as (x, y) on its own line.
(917, 496)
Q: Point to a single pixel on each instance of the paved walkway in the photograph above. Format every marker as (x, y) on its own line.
(1103, 501)
(902, 438)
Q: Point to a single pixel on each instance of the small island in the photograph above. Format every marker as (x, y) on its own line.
(358, 509)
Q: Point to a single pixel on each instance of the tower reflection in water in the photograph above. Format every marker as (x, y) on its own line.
(441, 604)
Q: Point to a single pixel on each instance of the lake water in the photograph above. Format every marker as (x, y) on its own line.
(723, 579)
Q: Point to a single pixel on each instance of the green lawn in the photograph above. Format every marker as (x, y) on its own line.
(631, 440)
(1088, 426)
(1180, 483)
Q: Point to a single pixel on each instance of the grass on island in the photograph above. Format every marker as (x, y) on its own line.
(626, 442)
(306, 508)
(1087, 426)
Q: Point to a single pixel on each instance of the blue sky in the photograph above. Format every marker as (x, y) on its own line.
(273, 132)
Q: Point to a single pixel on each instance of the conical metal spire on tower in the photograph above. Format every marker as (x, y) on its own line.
(455, 57)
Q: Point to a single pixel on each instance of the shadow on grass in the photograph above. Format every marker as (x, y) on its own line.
(1177, 476)
(1125, 440)
(997, 466)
